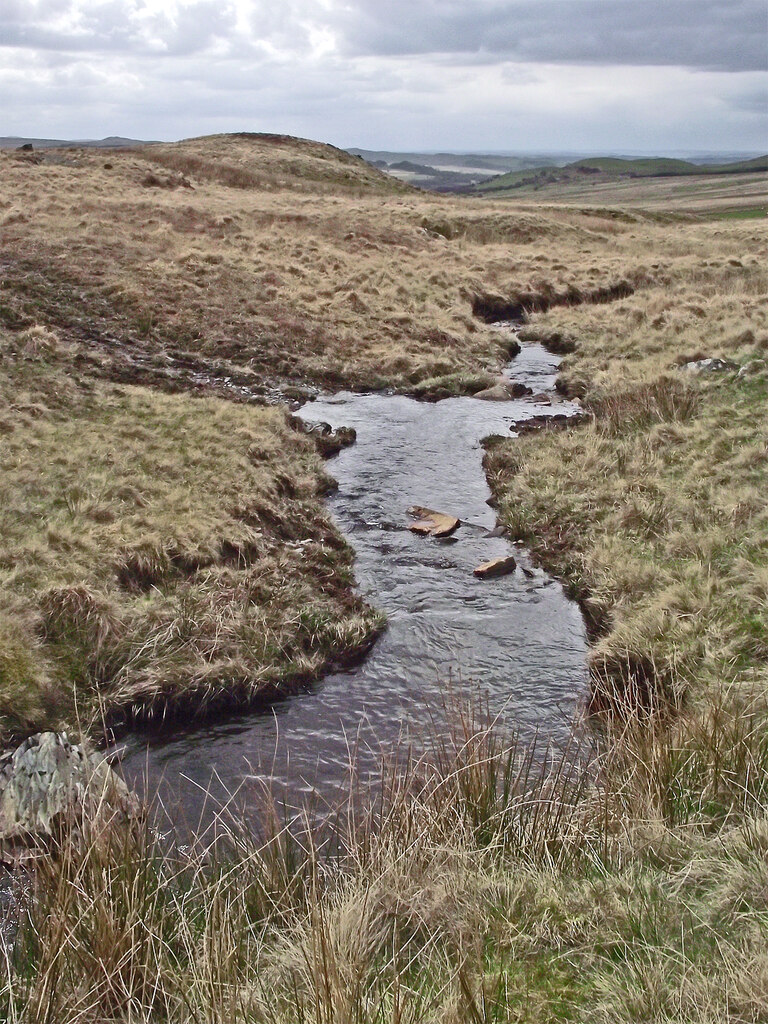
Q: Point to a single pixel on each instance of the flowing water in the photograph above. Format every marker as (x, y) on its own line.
(517, 640)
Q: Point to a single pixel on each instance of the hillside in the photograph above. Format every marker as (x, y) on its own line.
(598, 172)
(268, 259)
(111, 142)
(448, 172)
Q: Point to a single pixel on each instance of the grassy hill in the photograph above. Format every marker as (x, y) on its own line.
(606, 168)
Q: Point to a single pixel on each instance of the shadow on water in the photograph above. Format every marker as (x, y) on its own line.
(517, 640)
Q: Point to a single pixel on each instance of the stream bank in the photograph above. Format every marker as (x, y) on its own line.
(518, 641)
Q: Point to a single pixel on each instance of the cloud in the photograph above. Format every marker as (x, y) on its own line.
(493, 74)
(118, 26)
(726, 35)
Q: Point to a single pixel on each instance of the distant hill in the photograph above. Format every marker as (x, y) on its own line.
(614, 168)
(112, 142)
(262, 160)
(407, 165)
(492, 163)
(449, 172)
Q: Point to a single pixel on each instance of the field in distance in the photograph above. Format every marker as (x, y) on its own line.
(672, 184)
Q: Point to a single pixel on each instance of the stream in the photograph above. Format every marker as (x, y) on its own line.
(517, 641)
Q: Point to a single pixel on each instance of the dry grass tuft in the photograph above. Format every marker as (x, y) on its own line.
(476, 882)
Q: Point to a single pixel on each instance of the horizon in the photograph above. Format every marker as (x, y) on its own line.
(618, 153)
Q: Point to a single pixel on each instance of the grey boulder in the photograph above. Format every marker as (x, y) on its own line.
(48, 782)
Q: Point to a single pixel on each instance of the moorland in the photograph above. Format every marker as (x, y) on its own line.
(165, 551)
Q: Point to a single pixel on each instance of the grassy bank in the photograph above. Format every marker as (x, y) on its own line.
(159, 553)
(482, 883)
(654, 513)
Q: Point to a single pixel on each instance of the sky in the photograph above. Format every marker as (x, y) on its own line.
(422, 75)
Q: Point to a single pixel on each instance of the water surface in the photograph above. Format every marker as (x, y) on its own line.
(518, 640)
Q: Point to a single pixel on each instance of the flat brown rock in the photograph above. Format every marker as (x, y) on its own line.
(431, 523)
(496, 567)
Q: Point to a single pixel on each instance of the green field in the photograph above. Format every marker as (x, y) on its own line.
(601, 168)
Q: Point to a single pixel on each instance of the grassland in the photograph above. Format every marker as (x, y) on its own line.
(277, 264)
(704, 196)
(158, 547)
(654, 512)
(655, 182)
(160, 554)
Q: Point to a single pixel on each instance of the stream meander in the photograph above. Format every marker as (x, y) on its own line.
(517, 640)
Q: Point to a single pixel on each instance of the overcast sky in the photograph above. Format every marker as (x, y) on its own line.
(565, 75)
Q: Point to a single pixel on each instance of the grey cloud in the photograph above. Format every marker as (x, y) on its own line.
(404, 73)
(753, 101)
(726, 35)
(117, 26)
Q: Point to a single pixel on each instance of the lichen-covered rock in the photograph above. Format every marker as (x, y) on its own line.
(711, 365)
(47, 781)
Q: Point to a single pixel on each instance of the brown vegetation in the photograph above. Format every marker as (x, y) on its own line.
(292, 261)
(482, 883)
(159, 554)
(654, 512)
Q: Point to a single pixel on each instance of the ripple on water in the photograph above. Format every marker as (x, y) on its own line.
(520, 639)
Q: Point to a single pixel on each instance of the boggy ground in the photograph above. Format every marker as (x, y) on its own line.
(482, 882)
(235, 267)
(238, 265)
(279, 261)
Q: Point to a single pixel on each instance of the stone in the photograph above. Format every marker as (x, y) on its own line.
(546, 421)
(497, 531)
(498, 393)
(496, 567)
(329, 442)
(542, 399)
(47, 782)
(713, 364)
(503, 391)
(431, 523)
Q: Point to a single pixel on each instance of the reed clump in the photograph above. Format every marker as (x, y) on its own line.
(477, 880)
